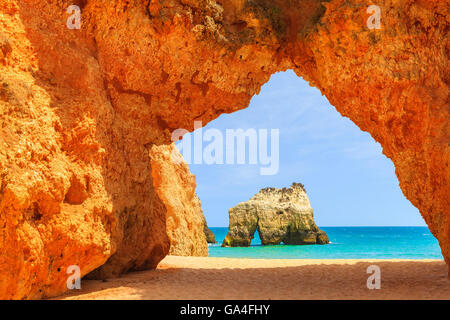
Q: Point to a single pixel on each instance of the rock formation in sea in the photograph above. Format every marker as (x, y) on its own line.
(210, 237)
(81, 110)
(279, 215)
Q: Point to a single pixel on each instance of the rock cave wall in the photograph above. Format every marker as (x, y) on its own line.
(82, 109)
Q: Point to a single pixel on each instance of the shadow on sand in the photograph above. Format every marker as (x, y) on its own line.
(309, 280)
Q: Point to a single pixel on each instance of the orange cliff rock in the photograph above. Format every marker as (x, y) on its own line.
(175, 185)
(81, 111)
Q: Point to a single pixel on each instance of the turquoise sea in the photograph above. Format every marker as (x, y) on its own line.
(346, 243)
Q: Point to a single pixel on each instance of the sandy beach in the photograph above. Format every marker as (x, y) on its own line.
(228, 278)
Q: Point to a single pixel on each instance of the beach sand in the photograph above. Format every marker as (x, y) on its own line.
(227, 278)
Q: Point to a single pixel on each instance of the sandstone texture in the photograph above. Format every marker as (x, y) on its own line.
(175, 185)
(279, 215)
(81, 110)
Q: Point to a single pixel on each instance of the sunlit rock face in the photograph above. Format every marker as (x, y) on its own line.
(82, 109)
(175, 185)
(279, 215)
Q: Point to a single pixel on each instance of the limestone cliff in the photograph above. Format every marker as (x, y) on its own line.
(175, 186)
(279, 216)
(80, 111)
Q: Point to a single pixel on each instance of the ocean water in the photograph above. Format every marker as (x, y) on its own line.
(346, 243)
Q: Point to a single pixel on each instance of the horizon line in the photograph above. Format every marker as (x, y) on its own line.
(361, 226)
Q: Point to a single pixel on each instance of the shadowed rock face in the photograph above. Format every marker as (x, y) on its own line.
(279, 215)
(81, 110)
(210, 237)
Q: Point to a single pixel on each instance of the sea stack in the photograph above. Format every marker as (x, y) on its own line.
(280, 216)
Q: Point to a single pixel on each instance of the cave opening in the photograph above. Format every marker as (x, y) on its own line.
(88, 105)
(351, 185)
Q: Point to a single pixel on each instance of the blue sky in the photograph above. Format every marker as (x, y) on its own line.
(348, 180)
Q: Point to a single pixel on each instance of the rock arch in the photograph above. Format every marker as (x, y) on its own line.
(279, 215)
(91, 103)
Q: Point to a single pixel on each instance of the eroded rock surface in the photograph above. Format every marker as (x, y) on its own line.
(279, 215)
(175, 186)
(210, 237)
(80, 111)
